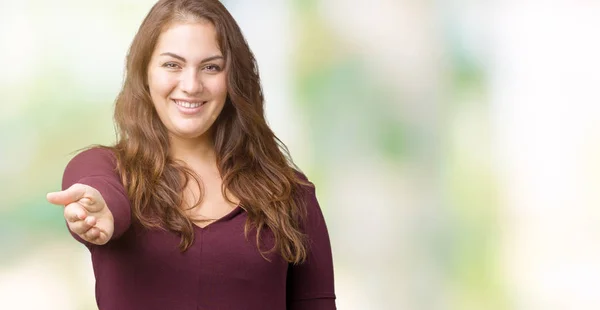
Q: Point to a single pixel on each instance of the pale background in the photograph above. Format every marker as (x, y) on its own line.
(455, 145)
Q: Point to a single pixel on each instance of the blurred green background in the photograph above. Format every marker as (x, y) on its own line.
(454, 144)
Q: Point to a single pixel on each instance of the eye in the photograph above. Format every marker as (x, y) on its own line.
(213, 68)
(170, 65)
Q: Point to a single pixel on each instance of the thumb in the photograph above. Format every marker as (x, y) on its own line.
(69, 195)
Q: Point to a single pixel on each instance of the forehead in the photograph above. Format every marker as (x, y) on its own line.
(191, 40)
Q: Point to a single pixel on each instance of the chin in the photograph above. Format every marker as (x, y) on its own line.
(190, 134)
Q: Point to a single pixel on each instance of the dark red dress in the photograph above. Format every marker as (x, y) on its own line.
(144, 269)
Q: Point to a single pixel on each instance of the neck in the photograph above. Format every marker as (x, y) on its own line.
(193, 152)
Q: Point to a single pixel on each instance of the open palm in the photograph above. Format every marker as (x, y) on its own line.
(86, 213)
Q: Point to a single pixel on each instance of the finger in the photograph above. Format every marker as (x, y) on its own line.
(79, 227)
(90, 220)
(71, 194)
(74, 212)
(92, 234)
(101, 239)
(87, 203)
(96, 236)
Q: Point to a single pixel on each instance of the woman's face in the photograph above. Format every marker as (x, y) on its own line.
(188, 79)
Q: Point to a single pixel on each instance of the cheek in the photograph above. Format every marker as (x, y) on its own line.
(161, 84)
(218, 86)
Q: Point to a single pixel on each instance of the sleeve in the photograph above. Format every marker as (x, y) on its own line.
(310, 285)
(96, 167)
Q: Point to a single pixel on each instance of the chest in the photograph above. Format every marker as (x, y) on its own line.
(219, 250)
(206, 202)
(222, 267)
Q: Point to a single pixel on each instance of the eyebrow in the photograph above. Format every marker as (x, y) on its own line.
(183, 59)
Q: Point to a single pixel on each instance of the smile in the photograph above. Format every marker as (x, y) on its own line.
(189, 105)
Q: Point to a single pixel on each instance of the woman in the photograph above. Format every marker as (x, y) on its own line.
(196, 206)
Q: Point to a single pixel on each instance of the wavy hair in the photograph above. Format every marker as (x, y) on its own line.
(254, 164)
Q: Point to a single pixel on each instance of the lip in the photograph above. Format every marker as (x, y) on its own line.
(189, 111)
(188, 100)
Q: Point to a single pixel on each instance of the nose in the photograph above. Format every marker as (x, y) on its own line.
(191, 83)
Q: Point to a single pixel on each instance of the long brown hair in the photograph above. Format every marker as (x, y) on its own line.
(254, 164)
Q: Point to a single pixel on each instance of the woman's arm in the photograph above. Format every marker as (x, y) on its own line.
(310, 284)
(96, 168)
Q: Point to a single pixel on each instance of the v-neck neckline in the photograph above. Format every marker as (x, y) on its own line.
(227, 216)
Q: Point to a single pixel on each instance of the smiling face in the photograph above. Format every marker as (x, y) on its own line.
(187, 79)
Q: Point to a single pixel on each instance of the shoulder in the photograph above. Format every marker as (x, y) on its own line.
(305, 188)
(96, 160)
(303, 181)
(307, 193)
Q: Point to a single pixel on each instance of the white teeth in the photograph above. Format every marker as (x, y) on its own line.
(188, 104)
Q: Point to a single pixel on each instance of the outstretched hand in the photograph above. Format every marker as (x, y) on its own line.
(86, 213)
